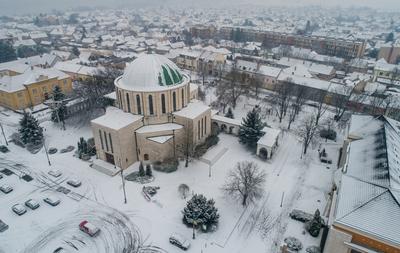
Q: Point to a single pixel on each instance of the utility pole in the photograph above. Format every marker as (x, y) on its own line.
(45, 149)
(123, 182)
(2, 131)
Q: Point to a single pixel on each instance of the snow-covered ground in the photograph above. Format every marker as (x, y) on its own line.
(292, 182)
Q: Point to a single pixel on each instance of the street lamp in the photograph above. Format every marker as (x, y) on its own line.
(2, 131)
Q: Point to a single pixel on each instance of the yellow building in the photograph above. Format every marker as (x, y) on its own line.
(31, 88)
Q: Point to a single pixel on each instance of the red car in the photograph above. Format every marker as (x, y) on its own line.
(89, 228)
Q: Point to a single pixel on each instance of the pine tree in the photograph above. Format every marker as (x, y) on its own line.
(82, 147)
(229, 113)
(200, 212)
(61, 109)
(7, 52)
(76, 51)
(30, 131)
(149, 173)
(141, 170)
(314, 225)
(250, 130)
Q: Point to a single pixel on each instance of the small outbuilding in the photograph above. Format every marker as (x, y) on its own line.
(267, 145)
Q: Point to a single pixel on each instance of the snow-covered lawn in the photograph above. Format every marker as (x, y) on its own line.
(292, 181)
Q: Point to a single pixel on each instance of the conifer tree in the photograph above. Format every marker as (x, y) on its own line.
(250, 130)
(200, 212)
(30, 131)
(61, 108)
(141, 170)
(229, 113)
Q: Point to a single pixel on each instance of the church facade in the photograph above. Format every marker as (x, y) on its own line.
(155, 117)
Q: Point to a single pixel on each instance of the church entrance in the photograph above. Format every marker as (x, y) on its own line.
(110, 158)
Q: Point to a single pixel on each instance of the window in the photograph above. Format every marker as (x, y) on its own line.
(174, 100)
(198, 129)
(139, 108)
(163, 109)
(101, 140)
(128, 102)
(111, 144)
(202, 127)
(183, 98)
(151, 109)
(105, 138)
(205, 125)
(34, 91)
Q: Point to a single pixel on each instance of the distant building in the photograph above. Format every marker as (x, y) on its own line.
(390, 52)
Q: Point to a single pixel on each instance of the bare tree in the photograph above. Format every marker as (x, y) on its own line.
(245, 182)
(296, 102)
(235, 86)
(256, 83)
(186, 148)
(307, 131)
(282, 99)
(321, 108)
(183, 190)
(341, 98)
(94, 88)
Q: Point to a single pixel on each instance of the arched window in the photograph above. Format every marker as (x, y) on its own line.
(128, 103)
(163, 109)
(174, 100)
(151, 109)
(183, 98)
(138, 105)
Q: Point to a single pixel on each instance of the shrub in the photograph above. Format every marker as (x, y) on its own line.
(149, 173)
(183, 190)
(167, 166)
(202, 148)
(141, 170)
(200, 211)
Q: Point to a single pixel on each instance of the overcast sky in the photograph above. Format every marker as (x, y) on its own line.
(25, 6)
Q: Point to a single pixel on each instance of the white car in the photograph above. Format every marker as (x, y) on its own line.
(74, 182)
(19, 209)
(180, 241)
(51, 200)
(32, 204)
(55, 173)
(6, 188)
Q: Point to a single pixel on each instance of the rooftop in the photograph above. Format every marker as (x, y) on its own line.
(116, 119)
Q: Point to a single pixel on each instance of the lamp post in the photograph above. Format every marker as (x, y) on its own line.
(123, 180)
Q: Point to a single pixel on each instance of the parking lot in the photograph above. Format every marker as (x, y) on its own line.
(56, 227)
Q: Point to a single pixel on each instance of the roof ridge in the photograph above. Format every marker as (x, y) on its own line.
(387, 190)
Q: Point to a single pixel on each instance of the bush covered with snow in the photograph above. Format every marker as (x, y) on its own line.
(315, 224)
(313, 249)
(202, 148)
(300, 215)
(4, 149)
(293, 243)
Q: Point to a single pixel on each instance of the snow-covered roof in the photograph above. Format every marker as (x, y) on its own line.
(193, 110)
(269, 71)
(369, 194)
(270, 136)
(223, 119)
(30, 76)
(151, 72)
(116, 119)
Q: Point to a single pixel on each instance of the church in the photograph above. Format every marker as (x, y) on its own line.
(156, 115)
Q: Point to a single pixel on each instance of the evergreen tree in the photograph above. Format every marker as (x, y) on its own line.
(314, 225)
(61, 108)
(30, 131)
(149, 173)
(200, 212)
(250, 130)
(7, 52)
(141, 170)
(390, 37)
(82, 147)
(76, 51)
(229, 113)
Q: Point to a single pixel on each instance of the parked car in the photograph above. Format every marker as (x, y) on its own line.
(18, 209)
(32, 204)
(6, 188)
(3, 226)
(180, 241)
(51, 200)
(74, 182)
(89, 228)
(55, 173)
